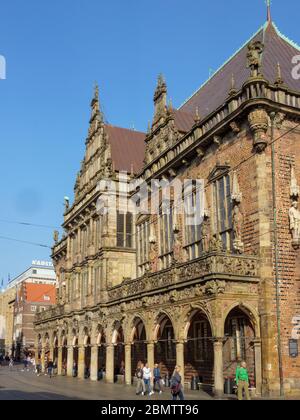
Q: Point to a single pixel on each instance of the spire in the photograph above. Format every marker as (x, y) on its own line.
(269, 16)
(95, 105)
(160, 99)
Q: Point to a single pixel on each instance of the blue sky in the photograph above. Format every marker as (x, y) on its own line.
(55, 50)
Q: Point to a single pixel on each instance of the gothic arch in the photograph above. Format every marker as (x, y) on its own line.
(116, 328)
(248, 310)
(133, 324)
(160, 321)
(188, 317)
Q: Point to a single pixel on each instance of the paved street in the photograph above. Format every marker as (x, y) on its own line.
(18, 385)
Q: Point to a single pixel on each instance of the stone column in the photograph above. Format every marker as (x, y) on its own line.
(110, 351)
(43, 359)
(70, 361)
(81, 366)
(59, 361)
(94, 363)
(258, 366)
(180, 358)
(218, 367)
(36, 350)
(51, 353)
(150, 354)
(128, 375)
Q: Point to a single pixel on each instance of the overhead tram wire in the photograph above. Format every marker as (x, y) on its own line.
(237, 167)
(6, 238)
(14, 222)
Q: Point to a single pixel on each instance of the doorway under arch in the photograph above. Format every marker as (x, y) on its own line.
(238, 346)
(198, 350)
(165, 348)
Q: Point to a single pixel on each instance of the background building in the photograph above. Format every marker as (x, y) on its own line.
(30, 292)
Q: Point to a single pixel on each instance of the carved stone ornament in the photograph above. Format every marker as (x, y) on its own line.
(215, 287)
(279, 118)
(259, 122)
(236, 195)
(235, 127)
(216, 244)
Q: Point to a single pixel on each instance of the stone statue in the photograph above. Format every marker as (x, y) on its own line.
(294, 215)
(255, 49)
(176, 243)
(55, 236)
(237, 222)
(205, 234)
(216, 244)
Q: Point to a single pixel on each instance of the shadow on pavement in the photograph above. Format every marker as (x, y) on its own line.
(15, 395)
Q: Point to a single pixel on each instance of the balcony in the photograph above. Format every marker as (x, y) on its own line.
(55, 311)
(216, 266)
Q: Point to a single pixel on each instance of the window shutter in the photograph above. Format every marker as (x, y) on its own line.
(129, 230)
(120, 229)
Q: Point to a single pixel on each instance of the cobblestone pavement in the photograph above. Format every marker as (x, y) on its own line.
(19, 385)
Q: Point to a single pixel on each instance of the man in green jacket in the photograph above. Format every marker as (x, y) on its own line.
(242, 381)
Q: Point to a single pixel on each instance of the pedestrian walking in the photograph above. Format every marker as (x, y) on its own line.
(140, 384)
(176, 385)
(242, 381)
(50, 368)
(147, 376)
(74, 369)
(157, 378)
(33, 364)
(11, 364)
(38, 368)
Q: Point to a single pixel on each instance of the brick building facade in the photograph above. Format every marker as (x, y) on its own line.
(152, 286)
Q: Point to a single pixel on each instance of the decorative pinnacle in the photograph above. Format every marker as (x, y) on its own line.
(232, 86)
(279, 80)
(197, 116)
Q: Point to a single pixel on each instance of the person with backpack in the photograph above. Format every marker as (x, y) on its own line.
(176, 385)
(140, 385)
(157, 378)
(242, 381)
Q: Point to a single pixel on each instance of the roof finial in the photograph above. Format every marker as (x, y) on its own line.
(233, 90)
(96, 90)
(197, 117)
(269, 16)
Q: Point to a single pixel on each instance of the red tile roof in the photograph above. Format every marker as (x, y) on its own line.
(127, 148)
(38, 293)
(214, 92)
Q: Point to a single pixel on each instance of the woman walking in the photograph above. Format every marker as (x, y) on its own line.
(176, 385)
(147, 375)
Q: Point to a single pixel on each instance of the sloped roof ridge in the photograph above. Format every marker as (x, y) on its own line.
(285, 38)
(125, 128)
(223, 65)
